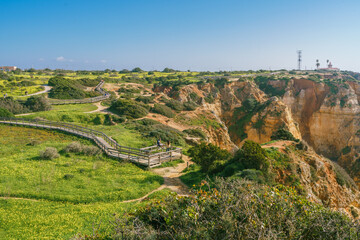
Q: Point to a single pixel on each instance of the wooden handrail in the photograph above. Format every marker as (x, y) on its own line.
(110, 147)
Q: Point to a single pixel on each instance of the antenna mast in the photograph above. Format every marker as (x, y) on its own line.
(299, 59)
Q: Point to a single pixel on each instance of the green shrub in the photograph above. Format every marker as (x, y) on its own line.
(153, 129)
(144, 99)
(90, 150)
(251, 174)
(74, 147)
(37, 104)
(252, 156)
(163, 110)
(346, 150)
(194, 97)
(13, 106)
(68, 176)
(234, 209)
(175, 105)
(49, 153)
(209, 99)
(5, 113)
(195, 132)
(128, 108)
(69, 89)
(282, 134)
(190, 106)
(206, 154)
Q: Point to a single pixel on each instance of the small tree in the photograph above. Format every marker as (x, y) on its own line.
(206, 154)
(252, 156)
(5, 113)
(37, 104)
(137, 69)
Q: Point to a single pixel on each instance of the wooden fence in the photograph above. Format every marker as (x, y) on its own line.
(149, 156)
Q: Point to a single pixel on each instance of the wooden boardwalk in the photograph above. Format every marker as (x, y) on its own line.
(150, 156)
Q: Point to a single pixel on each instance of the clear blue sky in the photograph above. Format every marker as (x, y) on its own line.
(181, 34)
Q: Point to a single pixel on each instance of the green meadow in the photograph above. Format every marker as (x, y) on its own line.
(54, 205)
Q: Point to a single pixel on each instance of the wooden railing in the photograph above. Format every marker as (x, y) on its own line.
(150, 156)
(105, 95)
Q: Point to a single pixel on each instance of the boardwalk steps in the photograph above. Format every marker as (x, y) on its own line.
(149, 156)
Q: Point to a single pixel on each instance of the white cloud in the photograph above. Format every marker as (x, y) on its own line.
(60, 59)
(41, 59)
(103, 61)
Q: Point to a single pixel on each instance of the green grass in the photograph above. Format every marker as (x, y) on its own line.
(26, 219)
(75, 114)
(193, 176)
(61, 208)
(96, 178)
(170, 164)
(74, 108)
(201, 120)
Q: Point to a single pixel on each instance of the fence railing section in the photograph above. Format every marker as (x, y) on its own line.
(149, 156)
(105, 95)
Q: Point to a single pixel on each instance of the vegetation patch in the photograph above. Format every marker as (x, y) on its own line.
(129, 108)
(163, 110)
(242, 116)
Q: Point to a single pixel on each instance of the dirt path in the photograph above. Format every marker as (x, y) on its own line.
(100, 108)
(47, 89)
(167, 121)
(171, 180)
(281, 145)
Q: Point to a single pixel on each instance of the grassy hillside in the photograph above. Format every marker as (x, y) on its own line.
(60, 206)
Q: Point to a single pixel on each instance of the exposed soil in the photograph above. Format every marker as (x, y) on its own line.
(171, 180)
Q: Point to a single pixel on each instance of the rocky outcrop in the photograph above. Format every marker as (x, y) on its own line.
(322, 180)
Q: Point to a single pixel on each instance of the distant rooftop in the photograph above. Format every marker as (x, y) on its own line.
(8, 68)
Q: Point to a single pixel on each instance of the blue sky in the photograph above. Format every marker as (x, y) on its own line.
(181, 34)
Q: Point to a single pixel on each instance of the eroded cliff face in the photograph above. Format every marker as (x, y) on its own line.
(326, 116)
(322, 180)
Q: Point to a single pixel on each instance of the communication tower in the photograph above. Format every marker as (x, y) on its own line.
(299, 59)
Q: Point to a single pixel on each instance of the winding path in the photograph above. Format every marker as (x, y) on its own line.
(46, 90)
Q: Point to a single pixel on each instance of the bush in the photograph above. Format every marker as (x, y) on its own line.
(252, 156)
(195, 132)
(163, 110)
(206, 154)
(69, 89)
(5, 113)
(68, 176)
(190, 106)
(91, 150)
(175, 105)
(153, 129)
(49, 153)
(37, 104)
(234, 209)
(145, 100)
(252, 175)
(194, 97)
(209, 99)
(129, 108)
(13, 106)
(283, 134)
(74, 147)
